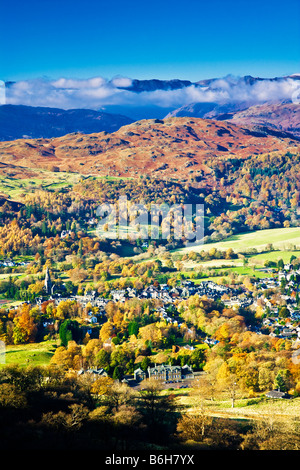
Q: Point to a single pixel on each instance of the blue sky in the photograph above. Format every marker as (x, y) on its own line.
(155, 39)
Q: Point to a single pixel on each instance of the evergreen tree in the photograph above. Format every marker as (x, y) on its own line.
(117, 374)
(133, 328)
(280, 264)
(80, 248)
(145, 363)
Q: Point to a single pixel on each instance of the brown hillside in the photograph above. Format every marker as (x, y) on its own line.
(175, 147)
(282, 116)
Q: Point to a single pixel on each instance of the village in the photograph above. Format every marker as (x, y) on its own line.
(283, 285)
(273, 301)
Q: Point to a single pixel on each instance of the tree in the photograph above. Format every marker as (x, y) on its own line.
(229, 253)
(156, 408)
(67, 309)
(69, 330)
(102, 386)
(71, 421)
(106, 331)
(91, 350)
(228, 382)
(11, 397)
(119, 394)
(61, 358)
(145, 363)
(103, 359)
(25, 329)
(37, 288)
(191, 427)
(272, 433)
(151, 333)
(284, 312)
(133, 328)
(117, 373)
(197, 359)
(280, 264)
(68, 358)
(282, 380)
(126, 420)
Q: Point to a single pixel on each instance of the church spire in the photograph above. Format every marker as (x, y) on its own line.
(48, 283)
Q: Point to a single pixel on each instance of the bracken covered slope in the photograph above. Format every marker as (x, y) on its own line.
(171, 148)
(281, 116)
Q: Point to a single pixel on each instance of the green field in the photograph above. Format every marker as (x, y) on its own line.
(30, 354)
(15, 187)
(281, 238)
(273, 256)
(46, 180)
(245, 271)
(256, 408)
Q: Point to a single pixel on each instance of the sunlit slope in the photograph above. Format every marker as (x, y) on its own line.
(281, 239)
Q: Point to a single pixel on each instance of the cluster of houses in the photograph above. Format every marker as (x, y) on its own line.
(10, 263)
(65, 233)
(288, 295)
(287, 292)
(230, 297)
(166, 294)
(288, 330)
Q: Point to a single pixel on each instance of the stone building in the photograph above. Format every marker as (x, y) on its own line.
(48, 282)
(165, 372)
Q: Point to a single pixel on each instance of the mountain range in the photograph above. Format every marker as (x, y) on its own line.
(17, 121)
(251, 101)
(277, 116)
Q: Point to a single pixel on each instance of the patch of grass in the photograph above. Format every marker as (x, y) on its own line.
(30, 354)
(246, 271)
(245, 408)
(273, 256)
(281, 238)
(44, 180)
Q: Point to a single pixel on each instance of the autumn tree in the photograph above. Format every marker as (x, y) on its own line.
(25, 328)
(193, 427)
(102, 386)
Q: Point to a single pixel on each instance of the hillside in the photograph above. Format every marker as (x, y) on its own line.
(284, 116)
(280, 238)
(35, 122)
(209, 110)
(172, 148)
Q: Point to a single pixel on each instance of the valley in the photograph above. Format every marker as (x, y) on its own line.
(149, 230)
(86, 318)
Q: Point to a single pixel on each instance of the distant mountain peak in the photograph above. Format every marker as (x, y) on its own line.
(20, 121)
(139, 86)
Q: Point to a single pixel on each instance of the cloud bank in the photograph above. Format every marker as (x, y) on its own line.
(98, 92)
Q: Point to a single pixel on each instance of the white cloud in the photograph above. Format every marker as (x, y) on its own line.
(122, 82)
(98, 92)
(74, 84)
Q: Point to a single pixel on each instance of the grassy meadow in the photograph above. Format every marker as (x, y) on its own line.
(16, 187)
(244, 408)
(33, 354)
(281, 238)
